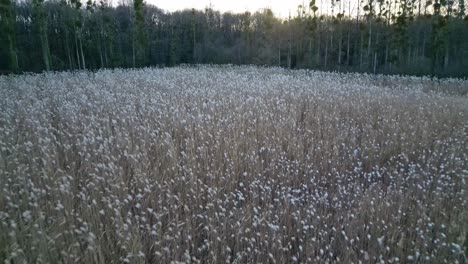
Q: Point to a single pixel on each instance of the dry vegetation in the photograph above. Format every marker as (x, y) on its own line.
(232, 165)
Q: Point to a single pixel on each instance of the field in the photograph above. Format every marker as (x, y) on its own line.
(232, 165)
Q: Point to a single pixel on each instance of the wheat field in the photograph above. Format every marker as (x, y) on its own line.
(232, 165)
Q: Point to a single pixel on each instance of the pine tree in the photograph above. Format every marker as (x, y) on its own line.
(40, 22)
(141, 38)
(8, 35)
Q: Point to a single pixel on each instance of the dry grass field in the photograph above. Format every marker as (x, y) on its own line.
(232, 165)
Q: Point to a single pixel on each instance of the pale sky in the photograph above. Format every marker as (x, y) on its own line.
(279, 7)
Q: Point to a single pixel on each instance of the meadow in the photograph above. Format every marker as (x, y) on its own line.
(232, 165)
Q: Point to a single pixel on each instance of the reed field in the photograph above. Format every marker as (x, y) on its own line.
(227, 164)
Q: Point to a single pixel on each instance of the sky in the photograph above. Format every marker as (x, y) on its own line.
(279, 7)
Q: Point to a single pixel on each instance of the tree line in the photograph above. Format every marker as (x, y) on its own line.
(417, 37)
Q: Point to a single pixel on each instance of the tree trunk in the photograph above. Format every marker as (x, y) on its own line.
(133, 52)
(45, 51)
(101, 56)
(408, 63)
(446, 56)
(77, 50)
(68, 50)
(386, 56)
(195, 41)
(318, 48)
(369, 44)
(289, 44)
(424, 45)
(339, 47)
(106, 59)
(310, 52)
(12, 54)
(83, 63)
(279, 56)
(348, 49)
(326, 53)
(375, 62)
(360, 50)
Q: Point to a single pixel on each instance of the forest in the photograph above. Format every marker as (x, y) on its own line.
(335, 134)
(410, 37)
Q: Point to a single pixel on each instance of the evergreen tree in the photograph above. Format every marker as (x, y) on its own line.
(8, 36)
(40, 22)
(141, 38)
